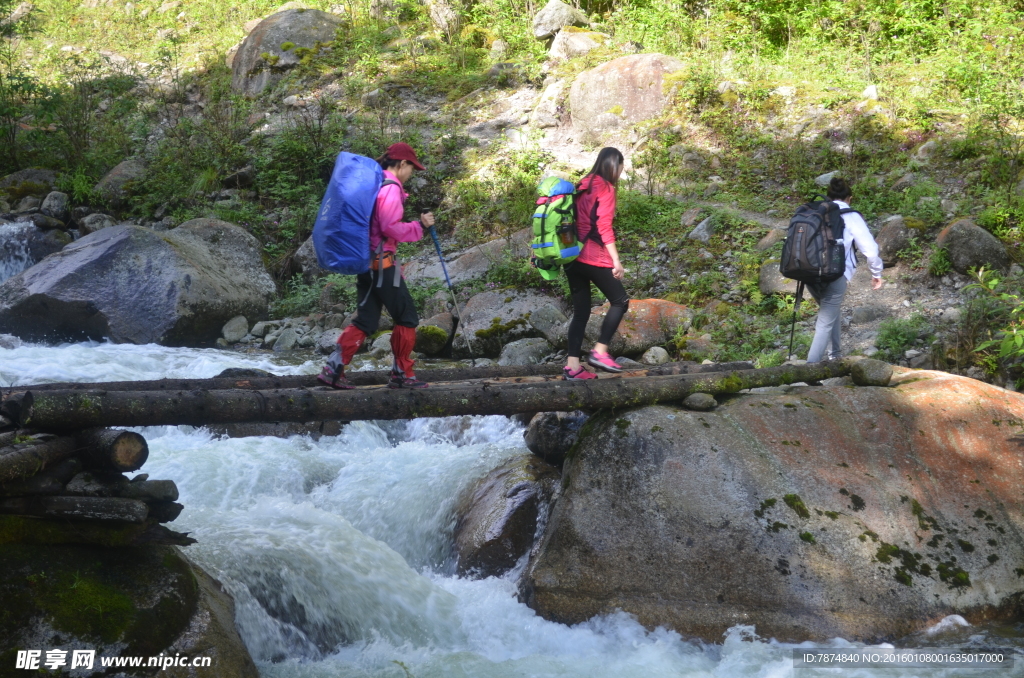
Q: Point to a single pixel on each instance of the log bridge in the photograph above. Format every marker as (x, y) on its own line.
(62, 466)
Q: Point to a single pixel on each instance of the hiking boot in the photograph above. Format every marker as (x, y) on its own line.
(603, 361)
(333, 373)
(581, 373)
(399, 380)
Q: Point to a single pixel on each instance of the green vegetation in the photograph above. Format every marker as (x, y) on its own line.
(897, 335)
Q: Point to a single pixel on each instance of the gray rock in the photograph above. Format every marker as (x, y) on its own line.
(700, 402)
(774, 237)
(871, 372)
(951, 315)
(906, 181)
(970, 246)
(56, 205)
(554, 17)
(381, 346)
(433, 333)
(569, 44)
(23, 244)
(823, 180)
(550, 323)
(37, 182)
(524, 352)
(235, 329)
(328, 340)
(470, 265)
(497, 522)
(95, 222)
(261, 328)
(550, 435)
(656, 355)
(893, 238)
(443, 16)
(619, 93)
(286, 340)
(131, 284)
(308, 340)
(251, 74)
(492, 319)
(925, 151)
(117, 185)
(704, 231)
(305, 257)
(770, 281)
(27, 204)
(868, 313)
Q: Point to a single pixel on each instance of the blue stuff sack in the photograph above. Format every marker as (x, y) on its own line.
(341, 234)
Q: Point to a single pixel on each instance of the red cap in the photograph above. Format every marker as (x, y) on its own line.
(401, 151)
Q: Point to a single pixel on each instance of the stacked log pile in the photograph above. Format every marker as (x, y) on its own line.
(71, 489)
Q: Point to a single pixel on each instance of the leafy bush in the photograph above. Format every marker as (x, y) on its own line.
(939, 263)
(897, 335)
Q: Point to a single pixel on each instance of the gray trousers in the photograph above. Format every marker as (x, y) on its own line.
(828, 326)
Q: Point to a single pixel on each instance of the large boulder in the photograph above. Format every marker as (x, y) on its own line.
(24, 244)
(472, 263)
(433, 333)
(548, 106)
(492, 319)
(620, 93)
(116, 185)
(550, 435)
(647, 323)
(122, 602)
(573, 42)
(771, 281)
(555, 16)
(131, 284)
(892, 239)
(36, 182)
(524, 351)
(305, 259)
(970, 246)
(862, 512)
(261, 61)
(498, 520)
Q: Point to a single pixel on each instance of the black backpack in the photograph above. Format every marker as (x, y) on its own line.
(813, 251)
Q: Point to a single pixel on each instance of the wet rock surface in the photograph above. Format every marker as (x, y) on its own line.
(866, 513)
(498, 521)
(550, 435)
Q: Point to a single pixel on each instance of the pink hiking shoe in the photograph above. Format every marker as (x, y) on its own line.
(581, 373)
(604, 362)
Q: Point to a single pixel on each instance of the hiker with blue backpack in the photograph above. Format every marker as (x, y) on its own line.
(360, 224)
(819, 254)
(598, 262)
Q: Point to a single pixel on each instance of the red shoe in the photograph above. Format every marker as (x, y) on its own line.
(333, 373)
(603, 361)
(399, 380)
(581, 373)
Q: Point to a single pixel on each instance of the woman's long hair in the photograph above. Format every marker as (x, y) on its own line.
(608, 164)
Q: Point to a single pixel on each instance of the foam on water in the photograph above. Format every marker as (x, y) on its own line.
(337, 551)
(14, 254)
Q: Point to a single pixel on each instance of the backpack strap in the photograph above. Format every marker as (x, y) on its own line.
(380, 247)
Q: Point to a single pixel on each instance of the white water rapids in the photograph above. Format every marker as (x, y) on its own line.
(14, 253)
(337, 551)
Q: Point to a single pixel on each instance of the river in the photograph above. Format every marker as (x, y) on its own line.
(337, 551)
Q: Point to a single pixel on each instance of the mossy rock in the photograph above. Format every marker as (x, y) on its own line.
(120, 601)
(430, 339)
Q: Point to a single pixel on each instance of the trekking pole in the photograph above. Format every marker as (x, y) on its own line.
(792, 329)
(455, 301)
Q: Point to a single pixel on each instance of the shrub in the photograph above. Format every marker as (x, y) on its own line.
(897, 335)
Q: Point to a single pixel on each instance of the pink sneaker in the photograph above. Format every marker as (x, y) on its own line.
(604, 361)
(578, 374)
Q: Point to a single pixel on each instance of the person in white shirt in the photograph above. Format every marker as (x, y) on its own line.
(830, 295)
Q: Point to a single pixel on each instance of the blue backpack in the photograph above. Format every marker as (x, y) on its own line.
(341, 234)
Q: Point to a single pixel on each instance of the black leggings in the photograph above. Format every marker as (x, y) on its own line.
(580, 276)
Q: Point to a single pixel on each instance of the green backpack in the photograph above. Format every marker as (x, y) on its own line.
(554, 241)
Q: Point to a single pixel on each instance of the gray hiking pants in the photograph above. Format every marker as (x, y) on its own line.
(828, 326)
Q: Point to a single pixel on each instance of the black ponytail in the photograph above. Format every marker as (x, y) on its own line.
(387, 162)
(608, 165)
(838, 189)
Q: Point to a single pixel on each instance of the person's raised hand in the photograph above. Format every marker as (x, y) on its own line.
(876, 283)
(427, 219)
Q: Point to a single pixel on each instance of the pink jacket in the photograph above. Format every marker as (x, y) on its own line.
(595, 211)
(388, 215)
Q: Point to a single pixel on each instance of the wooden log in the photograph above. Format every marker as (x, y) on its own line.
(25, 461)
(63, 410)
(375, 378)
(113, 509)
(29, 530)
(106, 448)
(151, 490)
(165, 511)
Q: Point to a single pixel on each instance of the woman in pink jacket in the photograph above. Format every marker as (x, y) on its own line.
(383, 285)
(598, 263)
